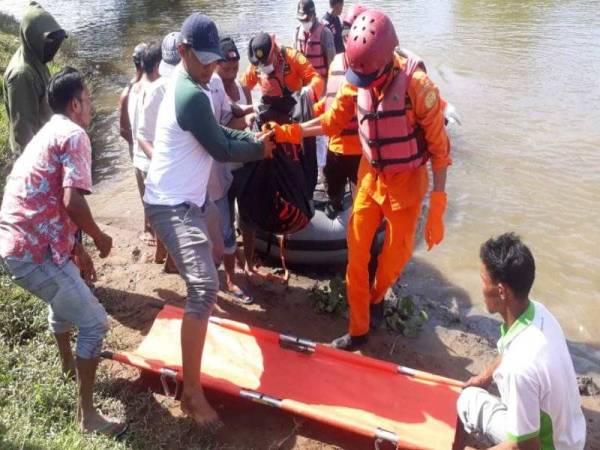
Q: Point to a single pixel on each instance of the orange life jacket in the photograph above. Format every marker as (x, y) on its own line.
(312, 48)
(389, 142)
(337, 76)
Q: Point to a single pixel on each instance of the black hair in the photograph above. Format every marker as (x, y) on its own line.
(509, 261)
(332, 3)
(64, 86)
(151, 57)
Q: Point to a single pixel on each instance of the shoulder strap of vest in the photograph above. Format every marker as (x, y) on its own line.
(284, 89)
(339, 72)
(410, 55)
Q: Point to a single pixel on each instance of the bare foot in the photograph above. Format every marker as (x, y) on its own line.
(198, 409)
(97, 423)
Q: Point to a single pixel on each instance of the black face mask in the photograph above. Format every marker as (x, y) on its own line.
(52, 44)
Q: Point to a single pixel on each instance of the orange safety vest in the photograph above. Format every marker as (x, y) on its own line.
(337, 76)
(312, 48)
(389, 142)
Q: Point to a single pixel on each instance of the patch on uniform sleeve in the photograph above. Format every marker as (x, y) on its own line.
(430, 98)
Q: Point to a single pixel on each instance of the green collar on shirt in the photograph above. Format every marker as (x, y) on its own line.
(522, 322)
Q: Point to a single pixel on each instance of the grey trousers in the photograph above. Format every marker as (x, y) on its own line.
(482, 414)
(192, 237)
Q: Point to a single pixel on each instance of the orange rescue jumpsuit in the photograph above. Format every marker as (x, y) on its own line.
(298, 72)
(397, 197)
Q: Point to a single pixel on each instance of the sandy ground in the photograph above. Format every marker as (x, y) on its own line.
(454, 343)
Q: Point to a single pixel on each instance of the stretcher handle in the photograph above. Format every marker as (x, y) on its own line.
(420, 375)
(297, 344)
(261, 398)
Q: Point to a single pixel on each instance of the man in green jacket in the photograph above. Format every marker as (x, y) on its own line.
(27, 76)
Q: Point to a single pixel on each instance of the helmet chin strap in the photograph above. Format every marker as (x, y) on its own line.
(383, 77)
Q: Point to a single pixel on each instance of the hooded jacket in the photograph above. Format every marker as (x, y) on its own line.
(26, 79)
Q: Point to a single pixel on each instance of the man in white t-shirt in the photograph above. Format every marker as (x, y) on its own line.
(161, 64)
(539, 405)
(141, 159)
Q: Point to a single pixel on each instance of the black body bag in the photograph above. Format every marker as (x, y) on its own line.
(276, 194)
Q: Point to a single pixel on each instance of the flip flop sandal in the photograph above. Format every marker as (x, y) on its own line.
(241, 297)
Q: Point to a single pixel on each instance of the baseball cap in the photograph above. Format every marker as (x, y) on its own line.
(229, 50)
(306, 9)
(259, 48)
(170, 55)
(201, 34)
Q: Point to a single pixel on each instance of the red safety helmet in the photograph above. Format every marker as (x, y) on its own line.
(351, 15)
(369, 47)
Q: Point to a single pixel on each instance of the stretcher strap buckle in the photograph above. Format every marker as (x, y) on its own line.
(166, 375)
(297, 344)
(258, 397)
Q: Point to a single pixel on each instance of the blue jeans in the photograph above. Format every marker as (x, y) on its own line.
(226, 225)
(70, 301)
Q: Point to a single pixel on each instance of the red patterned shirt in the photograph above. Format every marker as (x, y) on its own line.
(32, 217)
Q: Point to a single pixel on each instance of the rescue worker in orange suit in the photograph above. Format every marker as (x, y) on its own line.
(313, 38)
(344, 152)
(279, 71)
(401, 127)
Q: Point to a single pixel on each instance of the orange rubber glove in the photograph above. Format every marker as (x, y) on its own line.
(291, 132)
(434, 228)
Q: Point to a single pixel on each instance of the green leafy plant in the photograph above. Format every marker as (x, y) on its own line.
(404, 316)
(330, 298)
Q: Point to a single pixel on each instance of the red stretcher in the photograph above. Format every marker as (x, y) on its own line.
(374, 398)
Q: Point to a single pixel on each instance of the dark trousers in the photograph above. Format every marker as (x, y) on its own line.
(338, 170)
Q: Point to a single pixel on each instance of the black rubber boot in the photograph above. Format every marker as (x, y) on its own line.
(376, 315)
(349, 343)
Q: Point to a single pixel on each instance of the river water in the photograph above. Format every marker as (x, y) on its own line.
(524, 76)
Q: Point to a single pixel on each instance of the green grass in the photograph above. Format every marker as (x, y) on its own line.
(37, 404)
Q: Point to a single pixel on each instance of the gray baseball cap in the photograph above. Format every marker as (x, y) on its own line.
(170, 55)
